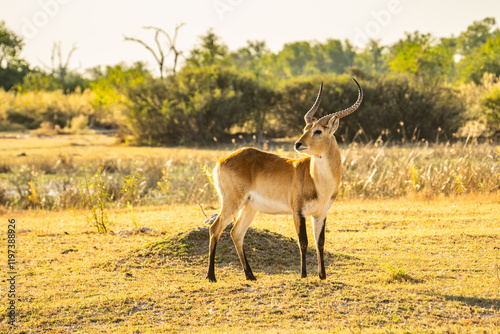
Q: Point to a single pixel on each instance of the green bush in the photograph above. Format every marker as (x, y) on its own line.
(195, 106)
(150, 117)
(491, 102)
(30, 109)
(394, 107)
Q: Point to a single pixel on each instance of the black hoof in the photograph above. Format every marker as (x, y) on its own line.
(251, 278)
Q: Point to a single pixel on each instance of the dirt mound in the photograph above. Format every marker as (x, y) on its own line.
(263, 248)
(266, 251)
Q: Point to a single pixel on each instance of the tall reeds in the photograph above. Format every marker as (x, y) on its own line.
(374, 170)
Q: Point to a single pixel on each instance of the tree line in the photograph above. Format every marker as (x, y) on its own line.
(420, 88)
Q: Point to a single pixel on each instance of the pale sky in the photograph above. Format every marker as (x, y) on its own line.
(97, 27)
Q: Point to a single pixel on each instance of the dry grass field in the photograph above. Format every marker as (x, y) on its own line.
(410, 263)
(393, 266)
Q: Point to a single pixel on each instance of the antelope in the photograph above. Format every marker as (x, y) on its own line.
(250, 180)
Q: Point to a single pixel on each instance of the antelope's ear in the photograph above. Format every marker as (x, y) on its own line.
(333, 125)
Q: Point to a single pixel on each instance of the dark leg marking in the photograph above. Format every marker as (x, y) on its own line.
(321, 244)
(211, 261)
(303, 245)
(248, 271)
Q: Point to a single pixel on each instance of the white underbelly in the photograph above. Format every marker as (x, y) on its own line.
(318, 208)
(268, 205)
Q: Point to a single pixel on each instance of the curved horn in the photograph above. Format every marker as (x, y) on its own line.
(309, 116)
(351, 109)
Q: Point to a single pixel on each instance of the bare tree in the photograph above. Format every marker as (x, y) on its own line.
(163, 50)
(173, 48)
(59, 66)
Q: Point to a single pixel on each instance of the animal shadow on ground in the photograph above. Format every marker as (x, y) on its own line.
(268, 252)
(486, 303)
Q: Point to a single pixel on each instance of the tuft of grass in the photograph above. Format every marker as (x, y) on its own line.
(400, 275)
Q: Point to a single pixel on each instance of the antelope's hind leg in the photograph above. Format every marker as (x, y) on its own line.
(238, 232)
(226, 215)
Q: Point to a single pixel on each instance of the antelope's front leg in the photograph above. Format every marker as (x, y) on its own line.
(300, 227)
(319, 237)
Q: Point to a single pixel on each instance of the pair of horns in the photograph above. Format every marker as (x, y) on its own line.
(339, 114)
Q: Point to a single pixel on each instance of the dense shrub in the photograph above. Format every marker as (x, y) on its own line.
(394, 107)
(202, 103)
(195, 106)
(491, 102)
(29, 110)
(150, 118)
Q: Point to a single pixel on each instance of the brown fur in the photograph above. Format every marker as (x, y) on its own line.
(250, 180)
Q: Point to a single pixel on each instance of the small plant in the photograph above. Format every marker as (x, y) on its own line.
(33, 197)
(95, 195)
(164, 183)
(210, 176)
(460, 187)
(131, 187)
(399, 275)
(130, 192)
(25, 181)
(414, 177)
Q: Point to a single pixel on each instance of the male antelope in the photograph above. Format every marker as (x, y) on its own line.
(250, 180)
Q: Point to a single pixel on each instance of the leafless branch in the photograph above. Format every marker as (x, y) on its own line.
(59, 66)
(160, 55)
(143, 44)
(73, 49)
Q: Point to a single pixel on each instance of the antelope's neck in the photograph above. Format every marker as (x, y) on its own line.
(325, 171)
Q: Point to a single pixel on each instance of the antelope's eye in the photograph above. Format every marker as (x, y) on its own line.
(318, 132)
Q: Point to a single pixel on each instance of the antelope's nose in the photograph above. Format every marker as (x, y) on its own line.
(298, 145)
